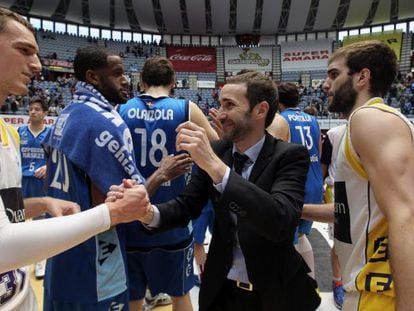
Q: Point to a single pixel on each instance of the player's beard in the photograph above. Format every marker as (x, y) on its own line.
(112, 93)
(343, 100)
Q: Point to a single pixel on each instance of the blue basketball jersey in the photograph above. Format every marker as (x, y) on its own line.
(32, 153)
(304, 130)
(152, 122)
(89, 144)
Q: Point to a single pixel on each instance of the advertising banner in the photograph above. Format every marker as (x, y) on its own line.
(305, 55)
(19, 120)
(258, 58)
(192, 59)
(392, 38)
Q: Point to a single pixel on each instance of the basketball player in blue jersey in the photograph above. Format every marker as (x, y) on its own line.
(90, 149)
(34, 159)
(304, 130)
(152, 119)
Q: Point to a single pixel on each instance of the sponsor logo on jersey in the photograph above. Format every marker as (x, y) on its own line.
(15, 216)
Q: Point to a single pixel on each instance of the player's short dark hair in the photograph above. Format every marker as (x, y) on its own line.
(259, 88)
(41, 102)
(374, 55)
(90, 58)
(288, 94)
(158, 71)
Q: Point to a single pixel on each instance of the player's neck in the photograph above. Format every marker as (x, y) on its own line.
(37, 127)
(157, 91)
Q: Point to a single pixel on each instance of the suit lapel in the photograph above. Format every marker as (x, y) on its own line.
(264, 157)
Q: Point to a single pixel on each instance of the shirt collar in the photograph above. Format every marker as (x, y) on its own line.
(253, 151)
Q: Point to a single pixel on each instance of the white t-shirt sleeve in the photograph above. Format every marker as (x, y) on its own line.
(27, 242)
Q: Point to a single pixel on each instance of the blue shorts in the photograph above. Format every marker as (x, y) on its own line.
(161, 270)
(119, 302)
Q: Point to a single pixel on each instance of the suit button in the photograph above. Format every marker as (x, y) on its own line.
(233, 206)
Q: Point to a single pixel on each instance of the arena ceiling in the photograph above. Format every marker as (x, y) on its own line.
(219, 17)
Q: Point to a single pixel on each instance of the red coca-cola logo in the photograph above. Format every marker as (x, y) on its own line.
(192, 58)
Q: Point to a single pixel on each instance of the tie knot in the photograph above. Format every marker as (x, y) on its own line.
(239, 161)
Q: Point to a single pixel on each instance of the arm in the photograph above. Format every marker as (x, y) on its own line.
(48, 237)
(385, 146)
(280, 195)
(171, 167)
(197, 116)
(54, 207)
(319, 212)
(279, 128)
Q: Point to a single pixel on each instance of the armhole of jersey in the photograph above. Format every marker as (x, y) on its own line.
(350, 152)
(352, 157)
(187, 109)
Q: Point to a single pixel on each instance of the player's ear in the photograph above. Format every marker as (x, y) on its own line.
(92, 77)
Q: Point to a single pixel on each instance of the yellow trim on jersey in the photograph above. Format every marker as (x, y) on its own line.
(4, 136)
(353, 159)
(350, 154)
(7, 129)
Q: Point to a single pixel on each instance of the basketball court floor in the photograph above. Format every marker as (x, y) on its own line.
(321, 243)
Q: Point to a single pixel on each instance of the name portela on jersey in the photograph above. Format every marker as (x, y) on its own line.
(151, 114)
(299, 117)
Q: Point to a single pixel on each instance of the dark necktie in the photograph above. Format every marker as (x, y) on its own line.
(239, 161)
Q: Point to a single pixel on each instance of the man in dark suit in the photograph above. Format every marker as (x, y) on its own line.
(252, 263)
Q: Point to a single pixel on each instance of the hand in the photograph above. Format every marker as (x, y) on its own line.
(173, 166)
(58, 207)
(116, 192)
(193, 139)
(40, 172)
(215, 122)
(134, 205)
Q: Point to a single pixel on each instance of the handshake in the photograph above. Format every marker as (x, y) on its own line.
(129, 202)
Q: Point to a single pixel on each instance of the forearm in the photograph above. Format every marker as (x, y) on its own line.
(35, 206)
(48, 237)
(401, 246)
(319, 212)
(154, 182)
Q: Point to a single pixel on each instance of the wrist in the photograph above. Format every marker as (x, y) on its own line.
(114, 213)
(149, 215)
(217, 171)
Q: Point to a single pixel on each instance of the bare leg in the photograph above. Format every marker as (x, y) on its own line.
(182, 303)
(136, 305)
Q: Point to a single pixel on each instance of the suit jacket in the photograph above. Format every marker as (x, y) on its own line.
(268, 207)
